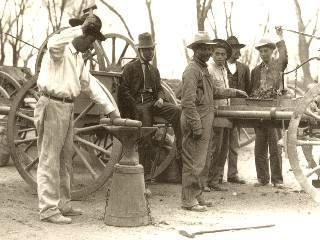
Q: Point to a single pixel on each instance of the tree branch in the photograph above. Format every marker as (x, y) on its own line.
(112, 9)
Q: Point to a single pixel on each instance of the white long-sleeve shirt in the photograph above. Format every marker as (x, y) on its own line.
(220, 79)
(64, 74)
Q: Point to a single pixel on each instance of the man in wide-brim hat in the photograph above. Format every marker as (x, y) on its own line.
(269, 75)
(225, 141)
(63, 75)
(142, 97)
(197, 102)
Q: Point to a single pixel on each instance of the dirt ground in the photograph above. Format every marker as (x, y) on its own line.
(293, 212)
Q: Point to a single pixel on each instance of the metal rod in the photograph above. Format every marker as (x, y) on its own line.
(301, 33)
(20, 40)
(277, 115)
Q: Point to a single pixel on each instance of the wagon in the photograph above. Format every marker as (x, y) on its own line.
(95, 150)
(299, 119)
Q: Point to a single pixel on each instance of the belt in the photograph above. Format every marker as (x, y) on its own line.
(61, 99)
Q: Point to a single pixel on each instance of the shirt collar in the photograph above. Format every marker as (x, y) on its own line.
(218, 67)
(199, 62)
(72, 49)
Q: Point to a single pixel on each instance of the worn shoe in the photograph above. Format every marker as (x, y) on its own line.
(217, 188)
(260, 184)
(196, 208)
(279, 185)
(72, 212)
(57, 219)
(236, 180)
(206, 189)
(206, 203)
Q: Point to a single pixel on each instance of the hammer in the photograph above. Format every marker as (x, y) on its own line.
(192, 235)
(89, 9)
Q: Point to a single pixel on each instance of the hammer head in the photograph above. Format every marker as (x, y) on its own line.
(90, 7)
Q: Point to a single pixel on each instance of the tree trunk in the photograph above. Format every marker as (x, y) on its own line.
(303, 47)
(148, 3)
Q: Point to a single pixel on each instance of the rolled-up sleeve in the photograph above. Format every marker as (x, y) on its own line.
(189, 94)
(97, 92)
(56, 44)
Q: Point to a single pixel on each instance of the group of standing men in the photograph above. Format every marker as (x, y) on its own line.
(202, 148)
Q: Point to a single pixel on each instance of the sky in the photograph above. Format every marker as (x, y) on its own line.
(175, 23)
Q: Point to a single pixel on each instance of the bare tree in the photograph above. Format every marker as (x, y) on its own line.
(6, 23)
(56, 11)
(202, 12)
(148, 4)
(228, 19)
(214, 26)
(304, 43)
(76, 11)
(112, 9)
(20, 8)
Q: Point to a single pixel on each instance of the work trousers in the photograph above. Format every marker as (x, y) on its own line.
(54, 124)
(145, 113)
(267, 138)
(224, 145)
(194, 157)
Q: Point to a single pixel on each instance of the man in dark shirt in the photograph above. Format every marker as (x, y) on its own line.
(268, 75)
(141, 97)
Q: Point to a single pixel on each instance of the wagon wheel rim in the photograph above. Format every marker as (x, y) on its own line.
(245, 138)
(9, 85)
(114, 52)
(25, 155)
(299, 116)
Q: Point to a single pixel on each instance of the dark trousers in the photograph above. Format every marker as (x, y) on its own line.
(145, 113)
(267, 138)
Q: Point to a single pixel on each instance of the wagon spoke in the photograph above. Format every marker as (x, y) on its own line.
(20, 141)
(85, 162)
(26, 130)
(113, 50)
(20, 114)
(85, 111)
(123, 53)
(308, 142)
(30, 165)
(312, 171)
(105, 56)
(29, 146)
(245, 133)
(90, 144)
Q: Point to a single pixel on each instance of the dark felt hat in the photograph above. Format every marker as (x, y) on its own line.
(234, 42)
(220, 43)
(265, 42)
(200, 37)
(95, 28)
(145, 41)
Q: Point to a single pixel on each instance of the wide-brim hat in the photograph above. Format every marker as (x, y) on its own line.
(200, 37)
(94, 31)
(220, 43)
(234, 42)
(265, 42)
(145, 40)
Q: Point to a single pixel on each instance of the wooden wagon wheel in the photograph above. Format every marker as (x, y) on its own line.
(297, 138)
(88, 174)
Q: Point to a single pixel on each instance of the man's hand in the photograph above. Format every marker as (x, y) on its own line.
(196, 134)
(241, 94)
(89, 23)
(114, 114)
(279, 31)
(158, 103)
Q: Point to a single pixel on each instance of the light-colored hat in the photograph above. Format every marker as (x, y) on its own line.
(145, 41)
(201, 37)
(265, 42)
